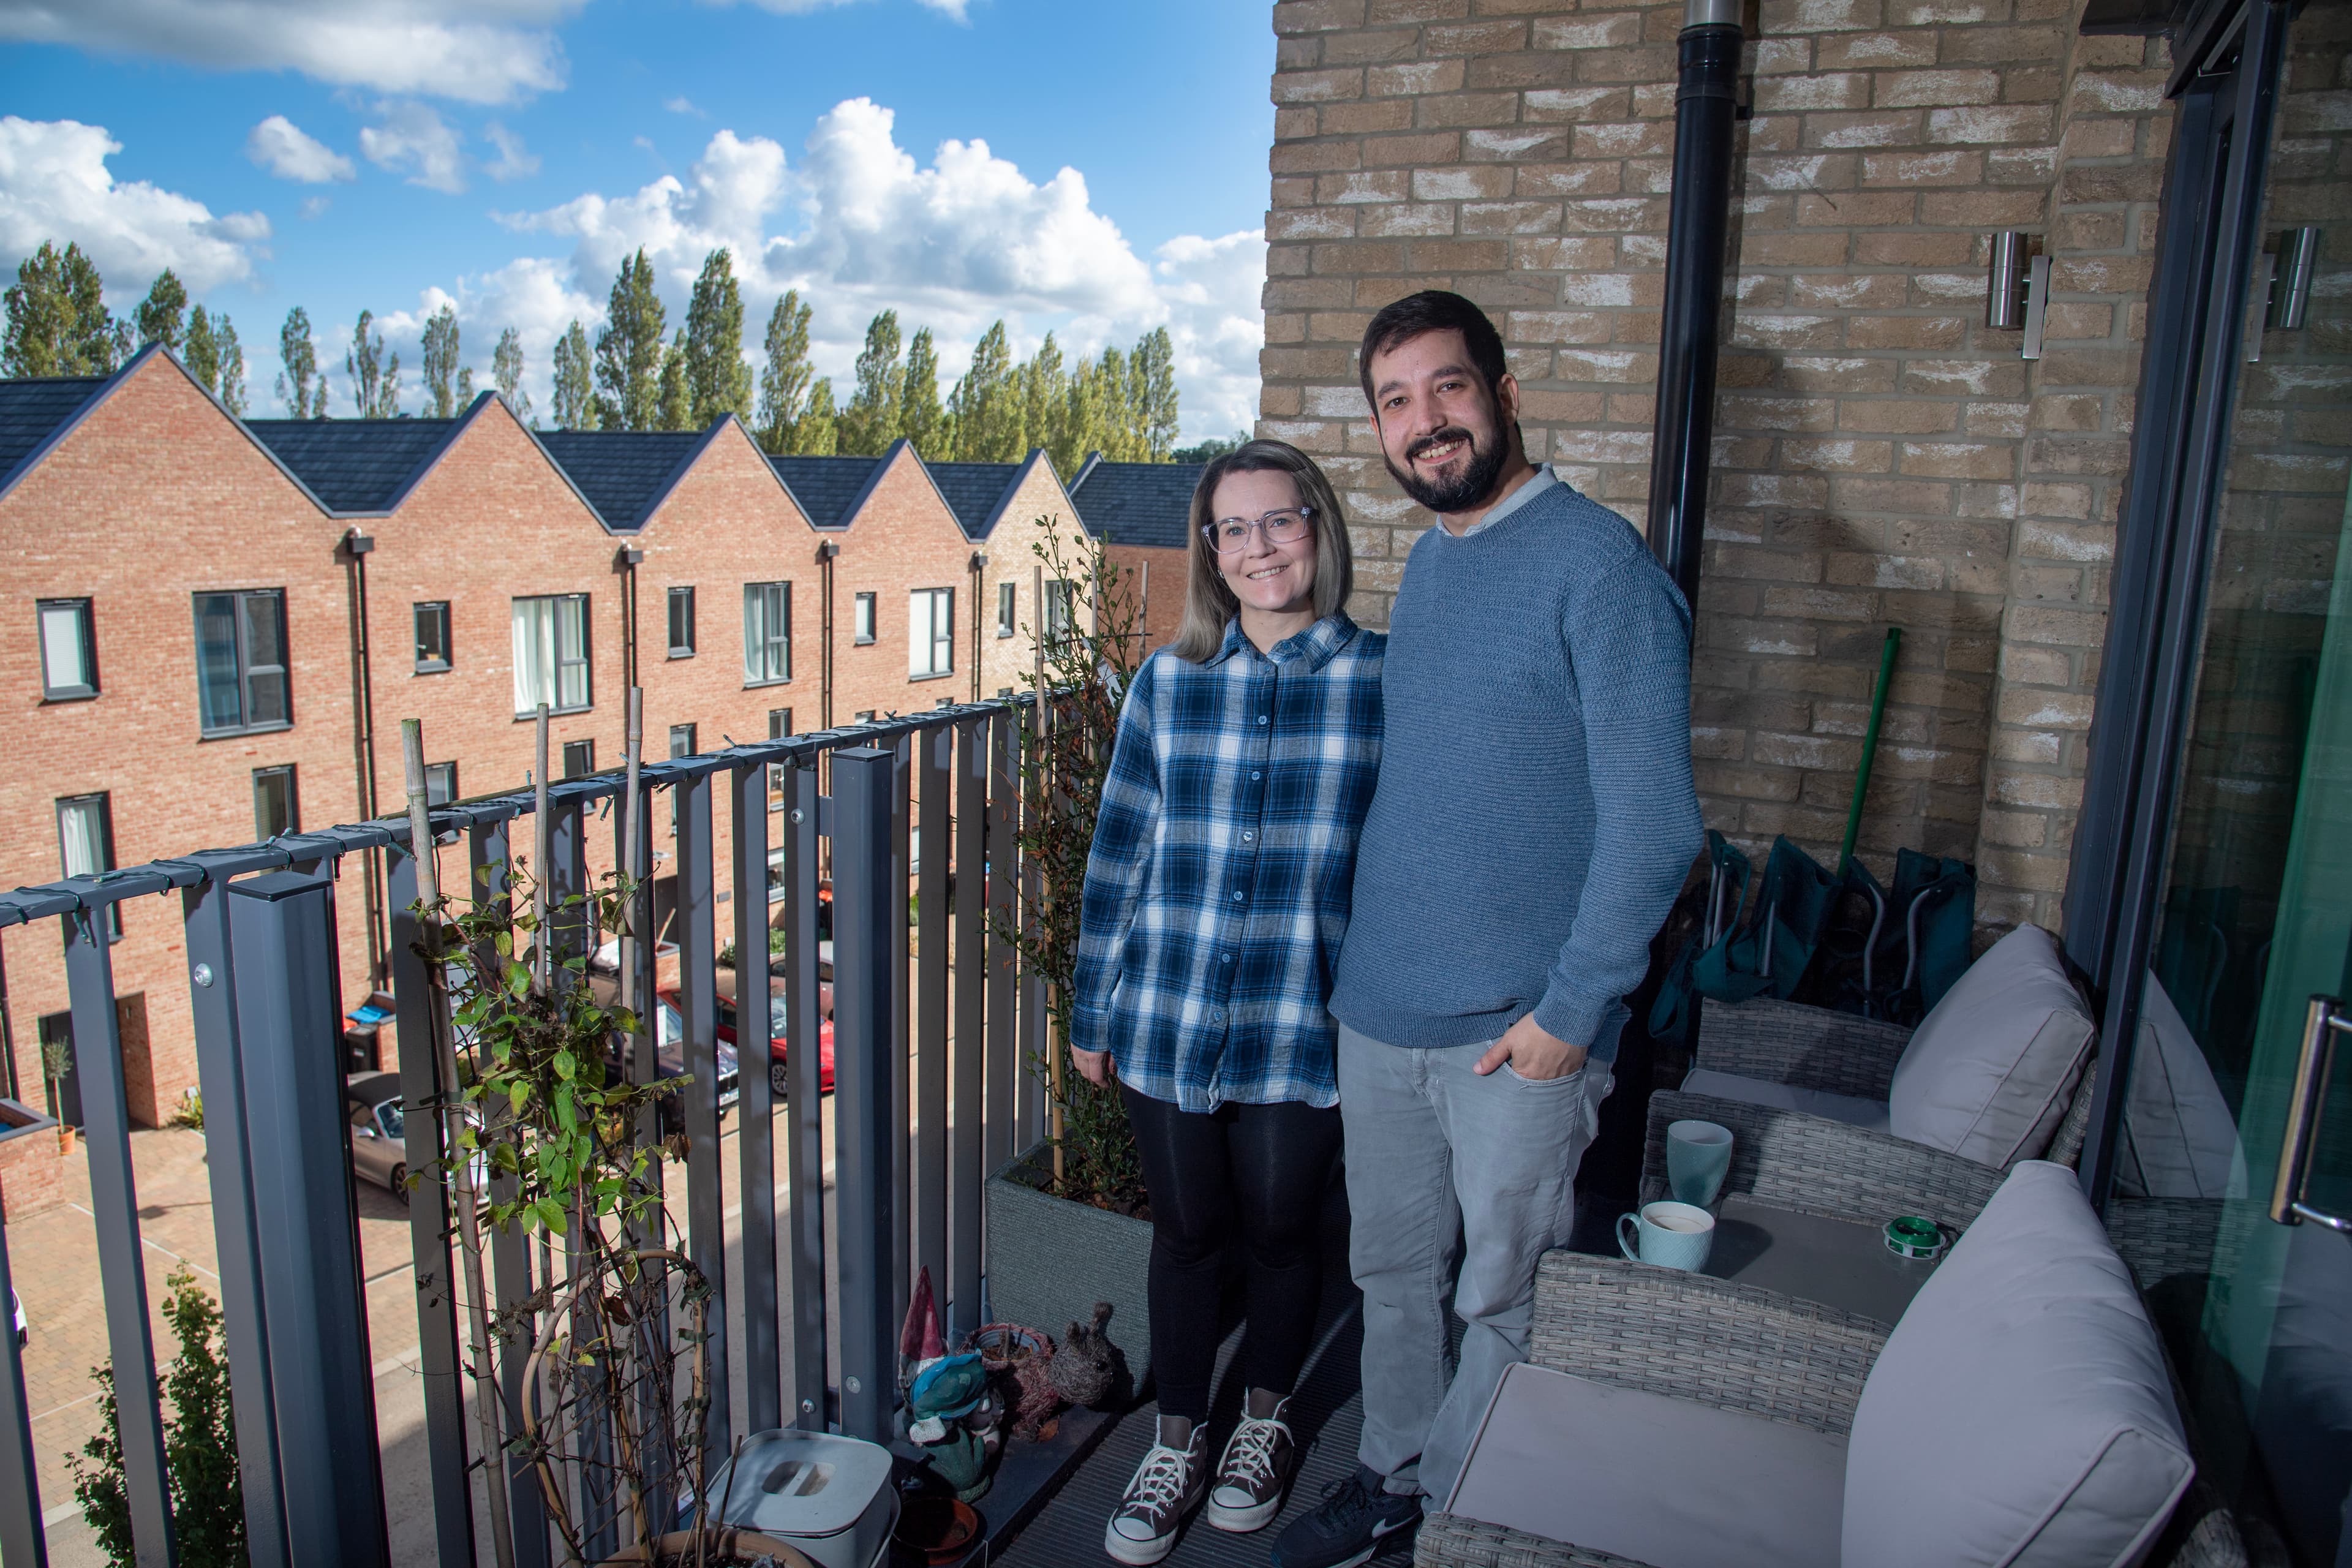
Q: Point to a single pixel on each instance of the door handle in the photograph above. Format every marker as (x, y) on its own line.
(2325, 1019)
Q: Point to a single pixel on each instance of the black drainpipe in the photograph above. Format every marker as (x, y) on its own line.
(1697, 233)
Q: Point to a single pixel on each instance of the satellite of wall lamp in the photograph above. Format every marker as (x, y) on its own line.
(2017, 292)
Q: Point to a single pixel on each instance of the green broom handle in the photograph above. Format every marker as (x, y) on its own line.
(1870, 743)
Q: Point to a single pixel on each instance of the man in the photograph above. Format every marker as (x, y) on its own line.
(1534, 819)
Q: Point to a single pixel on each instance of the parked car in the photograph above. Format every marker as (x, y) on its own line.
(23, 1334)
(378, 1134)
(779, 1080)
(669, 1054)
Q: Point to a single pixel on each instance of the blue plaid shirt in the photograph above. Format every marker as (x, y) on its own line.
(1224, 859)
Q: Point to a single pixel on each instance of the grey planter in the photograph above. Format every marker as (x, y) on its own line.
(1050, 1260)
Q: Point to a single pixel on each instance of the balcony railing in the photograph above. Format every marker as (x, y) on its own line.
(930, 1094)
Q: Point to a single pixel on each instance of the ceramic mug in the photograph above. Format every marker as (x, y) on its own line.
(1698, 1156)
(1669, 1234)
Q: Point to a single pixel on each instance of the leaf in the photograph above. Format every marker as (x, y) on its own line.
(518, 1096)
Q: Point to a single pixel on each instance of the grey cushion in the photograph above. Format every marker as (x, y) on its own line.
(2021, 1414)
(1846, 1108)
(1669, 1482)
(1987, 1073)
(2180, 1139)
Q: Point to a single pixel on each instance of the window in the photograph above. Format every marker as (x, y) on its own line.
(579, 759)
(681, 623)
(432, 637)
(1004, 609)
(681, 744)
(440, 782)
(863, 621)
(864, 716)
(780, 724)
(275, 810)
(1057, 613)
(767, 633)
(930, 633)
(550, 653)
(86, 845)
(68, 650)
(241, 661)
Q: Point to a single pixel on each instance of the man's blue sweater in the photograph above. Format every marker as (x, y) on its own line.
(1535, 815)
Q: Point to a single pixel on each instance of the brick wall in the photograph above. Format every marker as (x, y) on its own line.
(1883, 458)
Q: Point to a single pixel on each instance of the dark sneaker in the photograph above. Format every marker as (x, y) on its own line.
(1168, 1485)
(1259, 1458)
(1357, 1513)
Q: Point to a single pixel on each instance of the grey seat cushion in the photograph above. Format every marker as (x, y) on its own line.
(1988, 1072)
(1674, 1483)
(2021, 1414)
(1846, 1108)
(2179, 1138)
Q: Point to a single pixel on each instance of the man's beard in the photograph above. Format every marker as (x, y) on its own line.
(1466, 488)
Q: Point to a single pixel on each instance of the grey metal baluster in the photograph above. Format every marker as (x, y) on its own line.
(227, 1156)
(865, 903)
(23, 1541)
(756, 1137)
(1029, 1095)
(429, 1227)
(1003, 1071)
(902, 1273)
(114, 1201)
(964, 1121)
(698, 1006)
(934, 753)
(804, 1118)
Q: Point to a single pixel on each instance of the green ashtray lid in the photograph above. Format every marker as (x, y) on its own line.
(1909, 1235)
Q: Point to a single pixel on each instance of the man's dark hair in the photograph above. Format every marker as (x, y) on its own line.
(1433, 311)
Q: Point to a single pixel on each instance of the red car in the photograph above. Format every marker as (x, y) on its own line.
(778, 1078)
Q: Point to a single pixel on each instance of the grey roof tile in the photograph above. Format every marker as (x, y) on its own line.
(828, 488)
(355, 465)
(1137, 503)
(32, 411)
(974, 491)
(624, 474)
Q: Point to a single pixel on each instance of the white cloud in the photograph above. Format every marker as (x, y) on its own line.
(481, 51)
(957, 9)
(514, 160)
(683, 105)
(55, 186)
(415, 140)
(316, 207)
(278, 145)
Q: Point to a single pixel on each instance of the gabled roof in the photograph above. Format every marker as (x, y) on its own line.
(1136, 503)
(626, 475)
(829, 490)
(980, 493)
(32, 412)
(357, 465)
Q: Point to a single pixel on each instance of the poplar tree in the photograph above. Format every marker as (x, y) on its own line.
(718, 381)
(677, 412)
(870, 423)
(784, 383)
(921, 417)
(57, 319)
(575, 384)
(629, 351)
(817, 433)
(505, 369)
(1152, 372)
(200, 353)
(297, 357)
(987, 403)
(1044, 387)
(441, 355)
(162, 316)
(376, 379)
(231, 355)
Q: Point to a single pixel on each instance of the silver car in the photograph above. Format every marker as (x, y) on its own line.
(379, 1136)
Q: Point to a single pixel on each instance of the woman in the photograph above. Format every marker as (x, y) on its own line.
(1216, 896)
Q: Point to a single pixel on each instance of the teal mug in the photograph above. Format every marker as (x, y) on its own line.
(1669, 1234)
(1698, 1156)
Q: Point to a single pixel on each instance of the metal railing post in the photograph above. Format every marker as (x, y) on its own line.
(804, 1121)
(282, 929)
(114, 1202)
(928, 1172)
(22, 1538)
(1003, 1069)
(698, 969)
(969, 1088)
(756, 1135)
(865, 903)
(902, 1272)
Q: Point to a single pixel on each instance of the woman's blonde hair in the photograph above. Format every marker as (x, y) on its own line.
(1209, 605)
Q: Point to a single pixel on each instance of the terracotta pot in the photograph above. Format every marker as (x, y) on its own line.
(65, 1139)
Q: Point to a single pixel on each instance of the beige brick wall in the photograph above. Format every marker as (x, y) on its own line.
(1882, 457)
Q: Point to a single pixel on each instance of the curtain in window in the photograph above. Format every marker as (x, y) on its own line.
(571, 651)
(81, 828)
(65, 663)
(767, 631)
(930, 632)
(218, 691)
(534, 654)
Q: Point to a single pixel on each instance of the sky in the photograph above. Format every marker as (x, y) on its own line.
(1095, 168)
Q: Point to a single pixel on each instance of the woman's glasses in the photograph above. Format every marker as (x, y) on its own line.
(1288, 525)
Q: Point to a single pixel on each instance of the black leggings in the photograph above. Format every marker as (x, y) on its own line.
(1257, 1170)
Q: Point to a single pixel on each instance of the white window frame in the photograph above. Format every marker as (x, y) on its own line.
(68, 618)
(767, 634)
(930, 633)
(552, 654)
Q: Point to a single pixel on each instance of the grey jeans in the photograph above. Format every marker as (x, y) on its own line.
(1459, 1181)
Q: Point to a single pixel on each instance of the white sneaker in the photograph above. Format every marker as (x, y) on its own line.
(1168, 1485)
(1259, 1458)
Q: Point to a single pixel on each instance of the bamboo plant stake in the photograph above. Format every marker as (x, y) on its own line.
(469, 1236)
(541, 837)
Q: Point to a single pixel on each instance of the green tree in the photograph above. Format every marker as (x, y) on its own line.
(298, 359)
(162, 314)
(506, 368)
(57, 319)
(1045, 387)
(376, 379)
(629, 351)
(575, 382)
(1215, 446)
(871, 422)
(201, 352)
(784, 383)
(922, 417)
(816, 434)
(231, 354)
(441, 355)
(718, 380)
(1152, 372)
(987, 403)
(677, 411)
